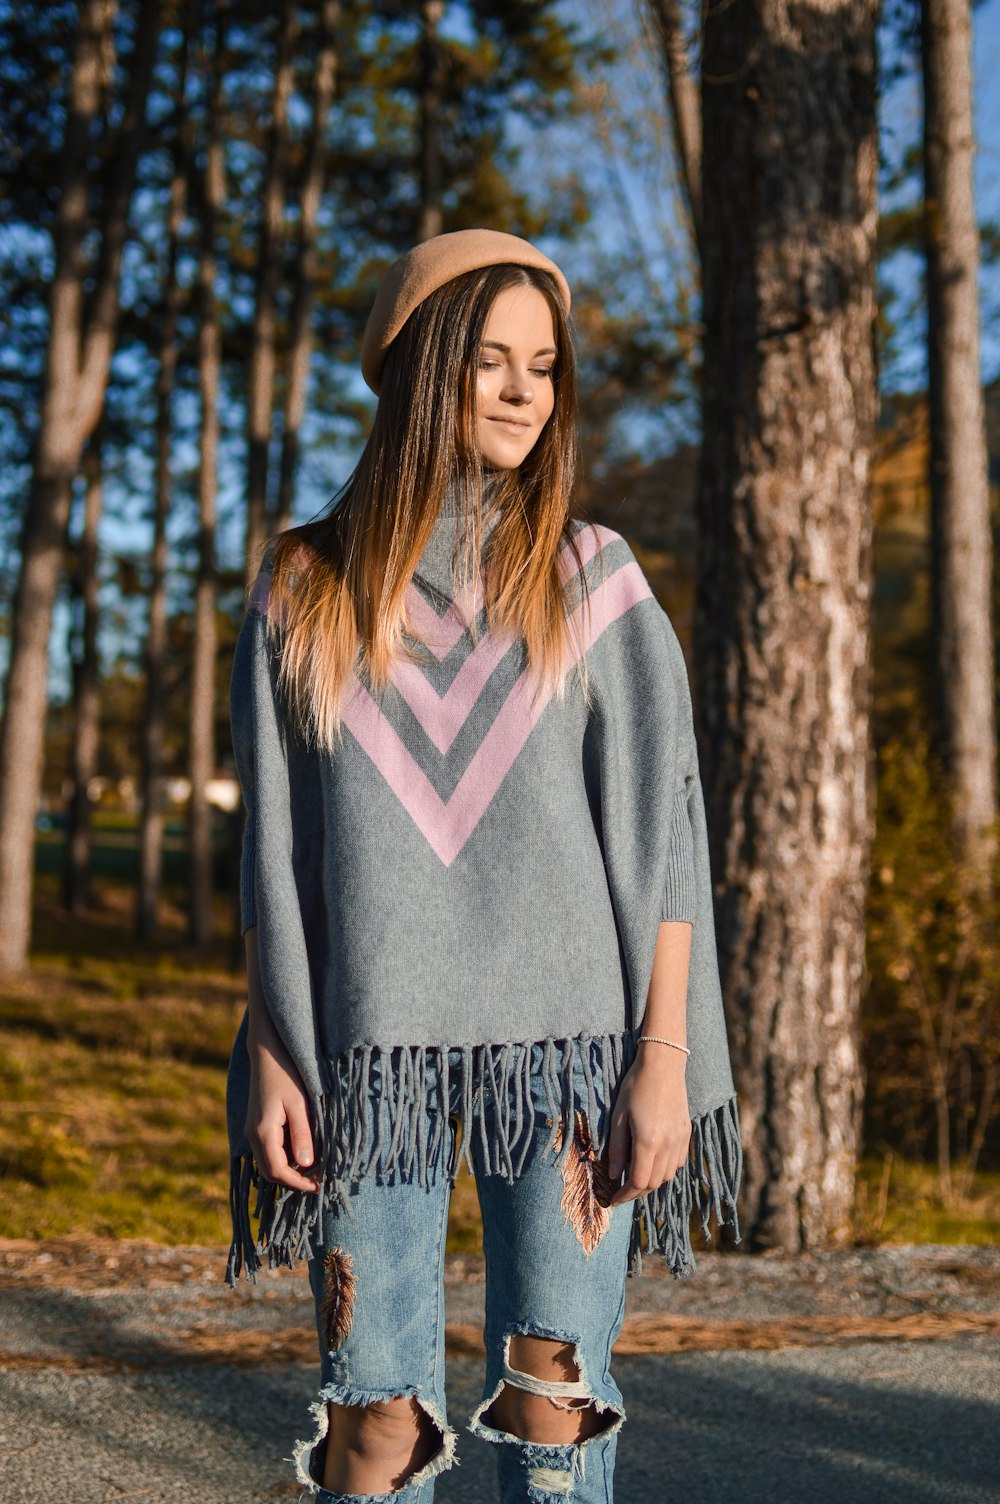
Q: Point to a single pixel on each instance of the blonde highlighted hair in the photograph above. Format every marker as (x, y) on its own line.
(337, 599)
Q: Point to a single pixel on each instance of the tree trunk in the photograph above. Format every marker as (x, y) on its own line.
(305, 268)
(260, 380)
(784, 580)
(86, 689)
(77, 360)
(431, 83)
(201, 750)
(155, 720)
(682, 102)
(961, 545)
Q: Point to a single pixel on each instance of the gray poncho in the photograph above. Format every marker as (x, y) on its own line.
(477, 868)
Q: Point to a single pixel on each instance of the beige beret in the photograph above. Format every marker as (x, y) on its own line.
(428, 266)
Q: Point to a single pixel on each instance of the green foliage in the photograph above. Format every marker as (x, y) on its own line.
(899, 1201)
(113, 1060)
(989, 242)
(930, 1019)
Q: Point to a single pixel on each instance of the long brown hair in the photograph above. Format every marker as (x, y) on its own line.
(337, 597)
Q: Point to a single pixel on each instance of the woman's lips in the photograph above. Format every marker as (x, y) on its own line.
(513, 424)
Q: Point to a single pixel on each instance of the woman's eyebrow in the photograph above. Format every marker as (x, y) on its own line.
(495, 344)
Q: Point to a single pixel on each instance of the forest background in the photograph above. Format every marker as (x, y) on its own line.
(206, 242)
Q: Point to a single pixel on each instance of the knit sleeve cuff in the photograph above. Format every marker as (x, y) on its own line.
(679, 896)
(248, 874)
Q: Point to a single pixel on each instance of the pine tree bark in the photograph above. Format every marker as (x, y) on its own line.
(86, 688)
(260, 380)
(784, 581)
(304, 291)
(961, 543)
(431, 221)
(155, 719)
(78, 358)
(201, 739)
(683, 104)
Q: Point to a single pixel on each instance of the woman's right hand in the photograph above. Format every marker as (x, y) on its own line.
(277, 1126)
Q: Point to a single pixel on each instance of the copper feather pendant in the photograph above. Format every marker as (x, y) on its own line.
(337, 1305)
(587, 1188)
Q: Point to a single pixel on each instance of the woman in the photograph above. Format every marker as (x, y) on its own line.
(477, 905)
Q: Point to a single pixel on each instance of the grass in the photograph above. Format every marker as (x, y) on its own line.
(112, 1067)
(898, 1201)
(113, 1059)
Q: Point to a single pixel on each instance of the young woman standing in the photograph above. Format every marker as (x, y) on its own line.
(477, 905)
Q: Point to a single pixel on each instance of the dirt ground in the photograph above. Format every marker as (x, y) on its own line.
(129, 1370)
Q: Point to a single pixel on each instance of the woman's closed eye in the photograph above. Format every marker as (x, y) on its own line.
(490, 365)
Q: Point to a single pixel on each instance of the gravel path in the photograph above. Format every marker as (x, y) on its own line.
(129, 1371)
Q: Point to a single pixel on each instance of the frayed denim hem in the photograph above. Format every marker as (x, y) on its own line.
(551, 1473)
(308, 1456)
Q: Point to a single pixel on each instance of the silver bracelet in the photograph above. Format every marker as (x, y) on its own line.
(655, 1039)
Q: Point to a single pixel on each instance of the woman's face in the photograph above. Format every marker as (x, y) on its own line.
(515, 393)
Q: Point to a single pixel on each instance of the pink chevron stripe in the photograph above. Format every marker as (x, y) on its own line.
(440, 633)
(447, 825)
(456, 619)
(443, 716)
(612, 598)
(404, 776)
(590, 540)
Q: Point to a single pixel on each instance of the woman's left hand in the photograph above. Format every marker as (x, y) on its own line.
(650, 1124)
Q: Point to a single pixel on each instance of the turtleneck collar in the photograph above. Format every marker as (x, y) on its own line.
(450, 505)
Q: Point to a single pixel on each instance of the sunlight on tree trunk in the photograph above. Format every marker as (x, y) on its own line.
(305, 266)
(260, 377)
(961, 552)
(78, 357)
(782, 615)
(201, 725)
(86, 687)
(431, 220)
(154, 725)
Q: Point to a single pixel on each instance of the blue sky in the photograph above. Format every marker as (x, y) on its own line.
(900, 121)
(640, 196)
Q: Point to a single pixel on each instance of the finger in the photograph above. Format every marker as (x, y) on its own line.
(296, 1180)
(641, 1168)
(275, 1160)
(618, 1146)
(636, 1180)
(668, 1166)
(296, 1174)
(300, 1133)
(677, 1159)
(676, 1164)
(271, 1151)
(630, 1191)
(662, 1169)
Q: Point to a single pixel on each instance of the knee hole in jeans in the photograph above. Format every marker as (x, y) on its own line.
(530, 1405)
(380, 1446)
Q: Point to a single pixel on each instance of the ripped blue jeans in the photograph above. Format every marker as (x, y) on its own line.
(555, 1268)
